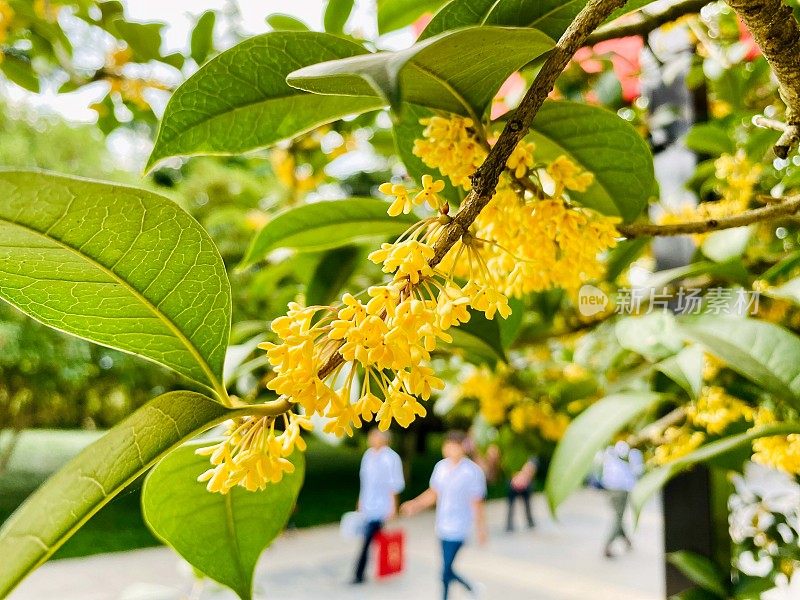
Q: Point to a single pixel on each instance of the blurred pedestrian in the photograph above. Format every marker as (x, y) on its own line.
(520, 486)
(457, 489)
(381, 476)
(622, 466)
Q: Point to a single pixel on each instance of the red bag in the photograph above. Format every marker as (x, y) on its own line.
(391, 552)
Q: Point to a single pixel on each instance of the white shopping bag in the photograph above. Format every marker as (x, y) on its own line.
(353, 525)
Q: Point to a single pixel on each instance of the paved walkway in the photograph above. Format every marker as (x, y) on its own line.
(556, 561)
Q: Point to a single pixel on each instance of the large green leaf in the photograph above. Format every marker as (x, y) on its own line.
(589, 433)
(116, 265)
(550, 16)
(458, 71)
(239, 101)
(331, 274)
(606, 145)
(657, 478)
(655, 335)
(90, 480)
(220, 535)
(326, 225)
(765, 353)
(394, 14)
(686, 369)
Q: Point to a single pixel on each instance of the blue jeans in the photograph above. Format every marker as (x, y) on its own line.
(373, 527)
(449, 550)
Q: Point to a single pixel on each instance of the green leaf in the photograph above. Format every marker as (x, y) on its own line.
(90, 480)
(220, 535)
(239, 100)
(480, 336)
(458, 71)
(731, 270)
(116, 265)
(700, 570)
(202, 42)
(395, 14)
(785, 267)
(623, 254)
(589, 433)
(336, 14)
(550, 16)
(20, 72)
(686, 369)
(657, 478)
(281, 22)
(326, 225)
(765, 353)
(144, 39)
(603, 143)
(331, 274)
(655, 336)
(788, 290)
(709, 138)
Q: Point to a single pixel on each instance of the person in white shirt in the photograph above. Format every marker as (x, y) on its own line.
(381, 480)
(458, 489)
(622, 466)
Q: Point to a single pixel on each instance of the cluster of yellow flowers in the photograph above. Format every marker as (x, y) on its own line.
(778, 451)
(710, 415)
(450, 145)
(493, 394)
(519, 245)
(541, 415)
(368, 358)
(738, 177)
(500, 402)
(252, 453)
(715, 410)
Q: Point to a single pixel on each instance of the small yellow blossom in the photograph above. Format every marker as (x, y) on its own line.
(566, 174)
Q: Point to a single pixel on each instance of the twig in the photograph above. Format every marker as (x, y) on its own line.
(646, 22)
(787, 141)
(786, 208)
(659, 426)
(777, 34)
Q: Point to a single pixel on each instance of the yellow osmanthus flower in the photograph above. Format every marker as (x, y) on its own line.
(6, 20)
(778, 451)
(403, 200)
(450, 146)
(675, 443)
(493, 394)
(715, 410)
(521, 160)
(539, 415)
(253, 453)
(739, 175)
(567, 175)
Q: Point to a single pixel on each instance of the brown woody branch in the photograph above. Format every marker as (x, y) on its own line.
(777, 33)
(645, 23)
(786, 208)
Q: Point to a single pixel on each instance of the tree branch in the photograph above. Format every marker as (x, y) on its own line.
(786, 208)
(777, 33)
(646, 23)
(485, 179)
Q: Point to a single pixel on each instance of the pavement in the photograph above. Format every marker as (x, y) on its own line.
(557, 560)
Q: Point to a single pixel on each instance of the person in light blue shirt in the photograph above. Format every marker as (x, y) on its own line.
(458, 489)
(381, 480)
(622, 467)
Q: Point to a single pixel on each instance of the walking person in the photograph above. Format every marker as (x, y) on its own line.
(520, 486)
(381, 477)
(622, 466)
(458, 490)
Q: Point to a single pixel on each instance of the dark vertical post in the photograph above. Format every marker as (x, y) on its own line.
(687, 522)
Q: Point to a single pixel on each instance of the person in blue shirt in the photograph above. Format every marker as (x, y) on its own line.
(622, 466)
(381, 480)
(457, 489)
